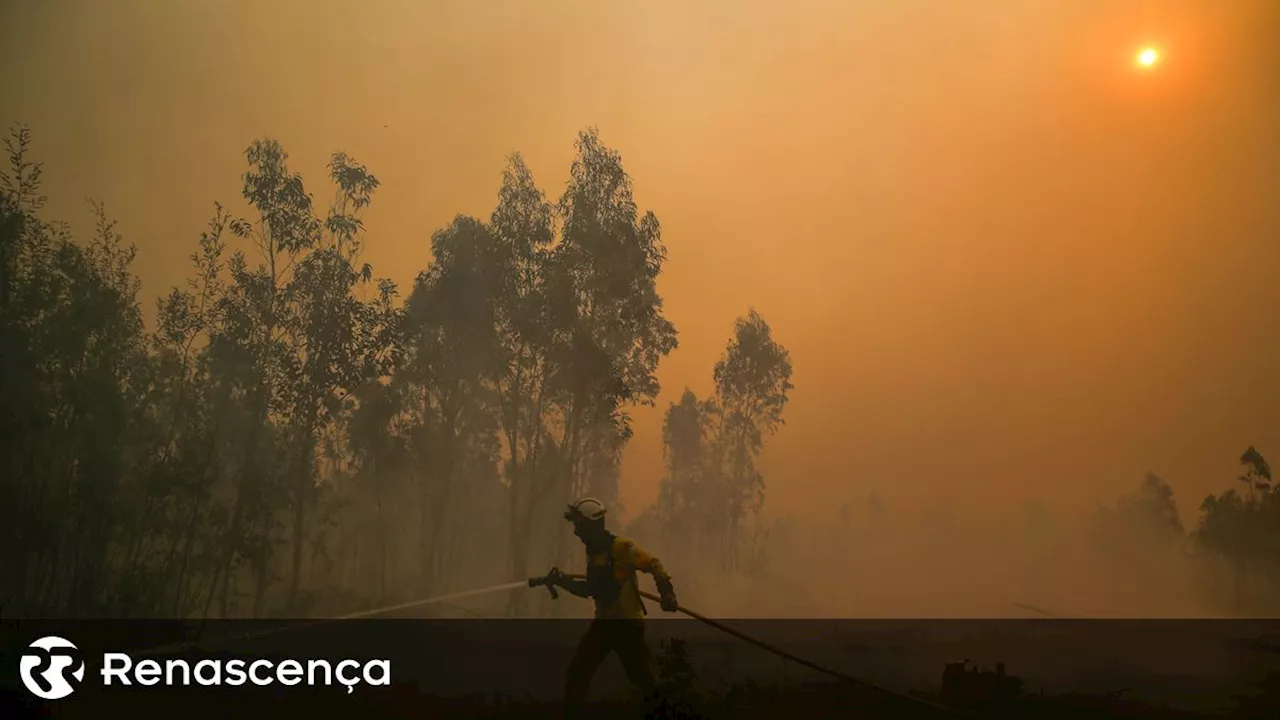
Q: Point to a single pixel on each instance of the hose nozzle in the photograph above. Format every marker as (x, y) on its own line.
(548, 581)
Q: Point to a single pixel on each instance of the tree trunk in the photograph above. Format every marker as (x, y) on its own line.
(382, 542)
(434, 552)
(179, 591)
(305, 484)
(250, 474)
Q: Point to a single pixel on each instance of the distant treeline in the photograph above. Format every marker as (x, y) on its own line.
(292, 437)
(1239, 527)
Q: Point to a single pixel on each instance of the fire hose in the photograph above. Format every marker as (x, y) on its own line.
(548, 581)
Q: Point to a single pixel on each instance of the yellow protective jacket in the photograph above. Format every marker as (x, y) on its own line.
(611, 576)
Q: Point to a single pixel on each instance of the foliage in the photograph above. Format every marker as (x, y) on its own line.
(1244, 530)
(713, 487)
(289, 437)
(679, 694)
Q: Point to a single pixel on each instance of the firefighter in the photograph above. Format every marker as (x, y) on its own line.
(610, 581)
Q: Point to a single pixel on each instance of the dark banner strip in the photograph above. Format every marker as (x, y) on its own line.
(475, 668)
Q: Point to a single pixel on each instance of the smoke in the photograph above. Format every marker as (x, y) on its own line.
(944, 561)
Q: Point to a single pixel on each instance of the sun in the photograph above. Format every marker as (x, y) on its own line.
(1148, 57)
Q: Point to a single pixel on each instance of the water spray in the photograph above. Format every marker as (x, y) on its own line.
(1034, 609)
(437, 600)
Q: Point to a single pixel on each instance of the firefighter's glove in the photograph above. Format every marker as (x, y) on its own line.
(556, 577)
(667, 595)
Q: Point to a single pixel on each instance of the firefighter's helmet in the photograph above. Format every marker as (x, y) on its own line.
(589, 509)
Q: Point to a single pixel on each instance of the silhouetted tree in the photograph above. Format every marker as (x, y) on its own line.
(712, 485)
(611, 330)
(1257, 475)
(453, 360)
(688, 495)
(73, 415)
(1244, 530)
(753, 384)
(153, 472)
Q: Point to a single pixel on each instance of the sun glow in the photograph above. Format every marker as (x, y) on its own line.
(1148, 57)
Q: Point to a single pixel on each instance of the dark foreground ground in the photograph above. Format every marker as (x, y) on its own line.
(814, 700)
(514, 669)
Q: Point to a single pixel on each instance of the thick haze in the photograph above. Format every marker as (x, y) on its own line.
(1007, 264)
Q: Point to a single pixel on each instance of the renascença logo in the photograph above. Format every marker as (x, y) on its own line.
(51, 663)
(52, 668)
(117, 667)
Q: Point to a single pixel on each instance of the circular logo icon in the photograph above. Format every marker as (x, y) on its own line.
(52, 668)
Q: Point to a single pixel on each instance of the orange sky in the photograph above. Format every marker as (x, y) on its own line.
(1006, 263)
